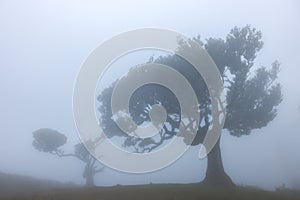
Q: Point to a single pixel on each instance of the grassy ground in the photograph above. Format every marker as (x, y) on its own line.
(155, 192)
(21, 187)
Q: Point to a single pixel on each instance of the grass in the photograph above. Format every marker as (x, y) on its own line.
(156, 192)
(15, 187)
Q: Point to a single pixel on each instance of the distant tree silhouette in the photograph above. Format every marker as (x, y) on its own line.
(252, 96)
(51, 141)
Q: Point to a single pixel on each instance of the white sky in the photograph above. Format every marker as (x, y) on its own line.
(43, 44)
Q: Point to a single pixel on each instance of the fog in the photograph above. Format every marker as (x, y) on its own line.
(44, 43)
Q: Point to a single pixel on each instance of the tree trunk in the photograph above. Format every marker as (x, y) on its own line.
(89, 180)
(215, 174)
(88, 174)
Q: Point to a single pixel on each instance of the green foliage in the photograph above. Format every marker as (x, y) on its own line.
(252, 92)
(81, 152)
(48, 140)
(252, 106)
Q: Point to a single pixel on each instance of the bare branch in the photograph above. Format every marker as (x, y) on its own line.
(99, 170)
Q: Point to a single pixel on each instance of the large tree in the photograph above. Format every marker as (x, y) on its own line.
(252, 96)
(50, 141)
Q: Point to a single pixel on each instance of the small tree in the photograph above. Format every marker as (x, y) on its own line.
(51, 141)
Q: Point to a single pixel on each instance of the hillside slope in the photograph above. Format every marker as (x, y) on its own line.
(153, 192)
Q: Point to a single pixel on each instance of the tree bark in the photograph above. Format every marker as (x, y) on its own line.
(90, 180)
(215, 173)
(89, 174)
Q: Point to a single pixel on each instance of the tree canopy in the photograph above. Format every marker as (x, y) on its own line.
(252, 93)
(48, 140)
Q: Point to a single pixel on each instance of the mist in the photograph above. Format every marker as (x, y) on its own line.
(44, 44)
